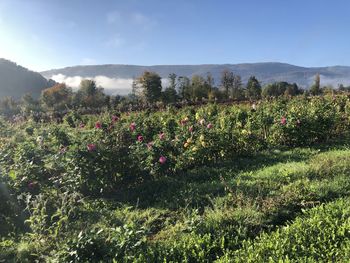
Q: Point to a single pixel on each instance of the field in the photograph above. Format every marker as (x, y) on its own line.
(200, 184)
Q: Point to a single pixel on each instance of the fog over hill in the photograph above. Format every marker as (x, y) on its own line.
(117, 79)
(15, 80)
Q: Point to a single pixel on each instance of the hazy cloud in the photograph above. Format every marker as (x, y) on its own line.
(111, 85)
(325, 81)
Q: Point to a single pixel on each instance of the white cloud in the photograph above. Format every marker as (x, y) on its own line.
(110, 85)
(113, 86)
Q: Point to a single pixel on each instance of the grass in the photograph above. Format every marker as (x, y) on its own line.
(242, 210)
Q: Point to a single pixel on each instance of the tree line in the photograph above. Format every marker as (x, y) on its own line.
(148, 90)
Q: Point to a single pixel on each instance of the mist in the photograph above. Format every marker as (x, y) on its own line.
(111, 86)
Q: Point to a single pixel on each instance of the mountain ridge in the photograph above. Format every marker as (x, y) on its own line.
(15, 80)
(266, 72)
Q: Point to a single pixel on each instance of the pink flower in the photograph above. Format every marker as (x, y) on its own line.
(202, 122)
(190, 129)
(283, 120)
(162, 159)
(209, 126)
(91, 147)
(162, 136)
(132, 126)
(98, 125)
(149, 145)
(140, 138)
(82, 125)
(115, 118)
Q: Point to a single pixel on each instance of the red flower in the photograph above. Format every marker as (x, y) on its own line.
(140, 138)
(190, 129)
(283, 121)
(209, 126)
(162, 159)
(132, 126)
(98, 125)
(91, 147)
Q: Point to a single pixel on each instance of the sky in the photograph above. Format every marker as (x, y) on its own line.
(47, 34)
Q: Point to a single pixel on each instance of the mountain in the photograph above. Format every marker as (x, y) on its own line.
(15, 81)
(117, 78)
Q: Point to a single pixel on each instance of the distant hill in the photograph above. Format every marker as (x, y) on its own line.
(120, 75)
(16, 81)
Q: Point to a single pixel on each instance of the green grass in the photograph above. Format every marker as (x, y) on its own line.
(277, 205)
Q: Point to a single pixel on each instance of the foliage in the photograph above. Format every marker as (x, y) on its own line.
(196, 184)
(253, 89)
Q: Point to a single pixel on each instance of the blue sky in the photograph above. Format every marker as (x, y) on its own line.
(45, 34)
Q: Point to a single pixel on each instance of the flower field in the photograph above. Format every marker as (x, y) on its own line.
(226, 183)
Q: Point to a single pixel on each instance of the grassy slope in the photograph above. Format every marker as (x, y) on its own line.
(209, 212)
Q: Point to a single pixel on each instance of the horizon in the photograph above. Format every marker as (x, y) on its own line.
(43, 35)
(155, 65)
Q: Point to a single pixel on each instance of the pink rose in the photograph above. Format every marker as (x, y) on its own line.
(140, 138)
(283, 120)
(162, 159)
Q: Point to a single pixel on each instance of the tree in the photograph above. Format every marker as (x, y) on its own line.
(237, 88)
(253, 90)
(8, 106)
(184, 87)
(169, 95)
(199, 88)
(29, 104)
(227, 79)
(293, 90)
(172, 81)
(315, 88)
(89, 95)
(281, 88)
(151, 85)
(57, 97)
